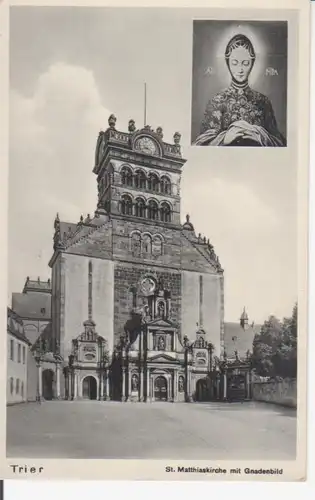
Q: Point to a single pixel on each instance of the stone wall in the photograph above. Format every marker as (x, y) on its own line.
(282, 392)
(128, 276)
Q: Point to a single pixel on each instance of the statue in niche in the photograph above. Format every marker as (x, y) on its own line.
(161, 344)
(181, 384)
(136, 245)
(161, 309)
(146, 244)
(134, 382)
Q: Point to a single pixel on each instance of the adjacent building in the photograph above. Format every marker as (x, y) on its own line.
(17, 359)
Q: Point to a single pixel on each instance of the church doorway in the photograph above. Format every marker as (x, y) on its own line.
(202, 390)
(89, 388)
(48, 383)
(160, 389)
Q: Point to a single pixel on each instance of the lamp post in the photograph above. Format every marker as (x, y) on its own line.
(210, 349)
(39, 353)
(188, 351)
(103, 362)
(71, 369)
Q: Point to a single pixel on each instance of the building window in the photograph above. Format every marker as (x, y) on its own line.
(136, 244)
(126, 205)
(146, 244)
(153, 210)
(157, 246)
(22, 389)
(140, 179)
(165, 212)
(165, 185)
(17, 388)
(19, 353)
(11, 385)
(24, 354)
(153, 182)
(140, 208)
(12, 350)
(126, 176)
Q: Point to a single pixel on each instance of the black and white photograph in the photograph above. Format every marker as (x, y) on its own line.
(239, 83)
(153, 301)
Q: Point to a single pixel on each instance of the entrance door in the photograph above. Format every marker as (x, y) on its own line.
(201, 390)
(48, 381)
(160, 389)
(89, 388)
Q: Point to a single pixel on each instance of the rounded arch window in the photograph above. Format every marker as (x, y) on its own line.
(140, 207)
(146, 244)
(165, 185)
(165, 212)
(126, 205)
(140, 179)
(153, 182)
(153, 210)
(157, 245)
(126, 176)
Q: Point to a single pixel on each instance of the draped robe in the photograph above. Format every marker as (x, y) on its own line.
(243, 109)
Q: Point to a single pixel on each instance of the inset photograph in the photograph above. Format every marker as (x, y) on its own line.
(239, 83)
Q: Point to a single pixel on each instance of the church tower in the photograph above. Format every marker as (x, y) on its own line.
(133, 263)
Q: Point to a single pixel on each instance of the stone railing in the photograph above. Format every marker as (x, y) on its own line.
(282, 392)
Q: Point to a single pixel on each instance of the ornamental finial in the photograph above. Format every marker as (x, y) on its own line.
(112, 121)
(187, 218)
(159, 132)
(131, 126)
(177, 137)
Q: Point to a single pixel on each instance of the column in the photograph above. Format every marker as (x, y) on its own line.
(148, 384)
(141, 384)
(39, 382)
(129, 383)
(57, 380)
(75, 392)
(106, 388)
(224, 386)
(123, 389)
(247, 385)
(102, 386)
(175, 385)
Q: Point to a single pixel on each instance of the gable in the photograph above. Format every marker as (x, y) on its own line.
(162, 358)
(97, 242)
(194, 258)
(161, 323)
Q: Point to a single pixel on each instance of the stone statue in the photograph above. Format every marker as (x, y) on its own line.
(134, 382)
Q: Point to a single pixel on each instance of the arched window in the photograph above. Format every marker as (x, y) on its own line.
(146, 244)
(157, 245)
(126, 205)
(140, 208)
(140, 179)
(136, 244)
(153, 182)
(165, 185)
(153, 210)
(126, 176)
(165, 212)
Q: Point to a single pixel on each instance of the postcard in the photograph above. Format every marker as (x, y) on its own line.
(154, 291)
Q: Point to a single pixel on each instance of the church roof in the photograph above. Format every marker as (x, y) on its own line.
(32, 305)
(37, 285)
(239, 339)
(15, 326)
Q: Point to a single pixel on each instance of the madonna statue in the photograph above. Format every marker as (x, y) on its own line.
(238, 115)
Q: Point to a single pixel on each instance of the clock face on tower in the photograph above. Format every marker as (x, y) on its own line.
(146, 145)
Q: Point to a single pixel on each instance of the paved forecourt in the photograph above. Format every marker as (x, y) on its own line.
(92, 429)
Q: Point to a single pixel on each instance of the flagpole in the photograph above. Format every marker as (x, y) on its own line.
(145, 104)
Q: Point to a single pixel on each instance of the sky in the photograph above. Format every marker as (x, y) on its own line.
(69, 69)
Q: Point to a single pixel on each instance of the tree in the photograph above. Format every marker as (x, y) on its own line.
(275, 347)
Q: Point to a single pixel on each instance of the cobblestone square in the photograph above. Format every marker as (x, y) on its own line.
(93, 429)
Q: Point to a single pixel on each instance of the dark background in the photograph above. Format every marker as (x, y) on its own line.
(209, 39)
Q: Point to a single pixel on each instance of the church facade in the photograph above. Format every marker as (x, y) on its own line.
(137, 308)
